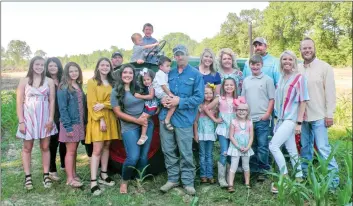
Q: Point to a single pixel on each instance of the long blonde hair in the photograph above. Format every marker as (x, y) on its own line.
(213, 66)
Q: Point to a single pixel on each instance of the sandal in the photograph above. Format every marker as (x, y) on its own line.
(95, 190)
(231, 189)
(28, 182)
(142, 140)
(46, 180)
(54, 176)
(74, 184)
(247, 186)
(168, 126)
(107, 181)
(77, 178)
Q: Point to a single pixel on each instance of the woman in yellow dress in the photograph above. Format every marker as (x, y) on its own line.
(102, 125)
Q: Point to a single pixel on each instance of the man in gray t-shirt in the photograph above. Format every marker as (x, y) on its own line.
(138, 51)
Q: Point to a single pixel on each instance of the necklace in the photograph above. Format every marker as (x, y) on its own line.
(242, 129)
(203, 71)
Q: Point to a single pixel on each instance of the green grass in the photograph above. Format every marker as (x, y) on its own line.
(13, 193)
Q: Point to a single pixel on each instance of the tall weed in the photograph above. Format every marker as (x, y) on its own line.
(8, 113)
(345, 193)
(140, 180)
(343, 113)
(321, 179)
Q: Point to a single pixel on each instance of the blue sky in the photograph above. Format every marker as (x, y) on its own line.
(60, 28)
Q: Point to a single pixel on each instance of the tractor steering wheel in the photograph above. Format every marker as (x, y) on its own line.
(156, 49)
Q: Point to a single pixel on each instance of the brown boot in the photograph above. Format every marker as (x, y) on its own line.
(211, 180)
(203, 180)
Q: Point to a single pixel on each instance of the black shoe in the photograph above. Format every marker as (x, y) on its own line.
(95, 190)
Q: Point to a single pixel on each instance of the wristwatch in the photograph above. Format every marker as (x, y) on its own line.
(299, 123)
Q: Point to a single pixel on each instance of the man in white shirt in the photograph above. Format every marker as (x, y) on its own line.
(320, 109)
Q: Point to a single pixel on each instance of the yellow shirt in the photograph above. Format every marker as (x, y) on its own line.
(322, 90)
(100, 94)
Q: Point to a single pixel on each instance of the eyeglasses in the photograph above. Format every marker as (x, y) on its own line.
(242, 110)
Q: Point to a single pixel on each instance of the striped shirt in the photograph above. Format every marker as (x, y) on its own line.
(288, 96)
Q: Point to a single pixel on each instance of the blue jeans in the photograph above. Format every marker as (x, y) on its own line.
(206, 158)
(260, 161)
(316, 130)
(180, 139)
(224, 145)
(136, 155)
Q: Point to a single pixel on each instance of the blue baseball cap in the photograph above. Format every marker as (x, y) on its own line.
(117, 54)
(180, 48)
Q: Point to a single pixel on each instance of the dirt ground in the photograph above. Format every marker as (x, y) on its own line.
(343, 77)
(10, 81)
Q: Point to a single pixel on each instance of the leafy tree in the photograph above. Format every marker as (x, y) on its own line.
(176, 38)
(40, 53)
(3, 53)
(18, 51)
(327, 23)
(235, 31)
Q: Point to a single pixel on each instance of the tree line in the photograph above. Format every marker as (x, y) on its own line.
(283, 24)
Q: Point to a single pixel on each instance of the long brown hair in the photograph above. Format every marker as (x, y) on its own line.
(30, 71)
(97, 75)
(66, 79)
(120, 87)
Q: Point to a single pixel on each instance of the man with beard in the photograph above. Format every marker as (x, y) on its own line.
(270, 68)
(270, 63)
(117, 59)
(320, 108)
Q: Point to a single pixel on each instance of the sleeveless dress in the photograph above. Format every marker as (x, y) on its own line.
(206, 127)
(151, 106)
(227, 113)
(78, 129)
(36, 112)
(241, 135)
